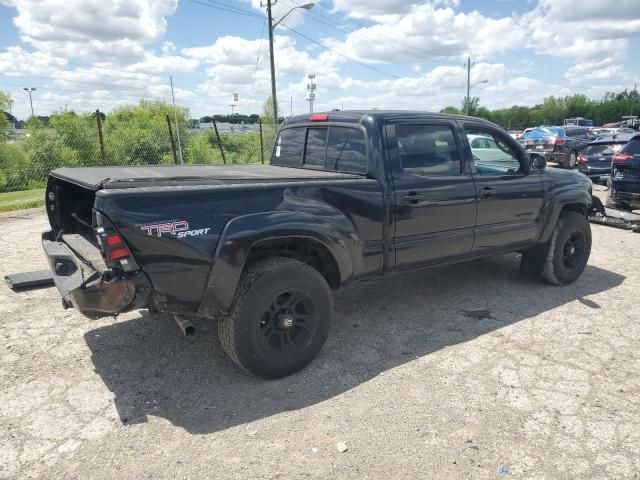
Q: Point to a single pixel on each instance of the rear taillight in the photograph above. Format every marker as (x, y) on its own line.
(113, 240)
(319, 117)
(560, 141)
(582, 159)
(118, 254)
(529, 142)
(621, 158)
(112, 246)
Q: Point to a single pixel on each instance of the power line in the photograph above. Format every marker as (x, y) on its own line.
(326, 20)
(255, 71)
(312, 40)
(229, 9)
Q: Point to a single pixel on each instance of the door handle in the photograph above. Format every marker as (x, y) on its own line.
(487, 192)
(413, 198)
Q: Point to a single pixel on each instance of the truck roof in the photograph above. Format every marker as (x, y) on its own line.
(360, 116)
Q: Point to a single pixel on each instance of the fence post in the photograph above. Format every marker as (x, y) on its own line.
(100, 138)
(215, 127)
(173, 143)
(261, 144)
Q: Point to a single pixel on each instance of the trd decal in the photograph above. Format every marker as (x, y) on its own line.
(168, 227)
(177, 228)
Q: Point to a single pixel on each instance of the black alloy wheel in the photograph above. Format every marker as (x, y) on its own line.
(574, 250)
(288, 325)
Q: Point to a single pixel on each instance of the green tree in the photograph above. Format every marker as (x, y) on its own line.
(472, 107)
(451, 110)
(5, 104)
(267, 112)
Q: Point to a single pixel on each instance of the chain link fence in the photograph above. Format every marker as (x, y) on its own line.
(70, 140)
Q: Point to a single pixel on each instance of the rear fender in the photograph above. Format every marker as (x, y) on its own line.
(242, 233)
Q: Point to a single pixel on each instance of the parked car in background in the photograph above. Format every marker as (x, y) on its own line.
(557, 144)
(624, 184)
(578, 122)
(607, 131)
(595, 159)
(515, 133)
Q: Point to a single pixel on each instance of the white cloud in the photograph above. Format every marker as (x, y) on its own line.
(428, 32)
(593, 33)
(91, 29)
(17, 61)
(366, 8)
(164, 64)
(168, 47)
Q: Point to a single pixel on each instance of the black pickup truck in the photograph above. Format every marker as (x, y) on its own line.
(347, 196)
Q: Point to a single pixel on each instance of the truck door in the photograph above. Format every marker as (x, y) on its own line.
(509, 198)
(434, 193)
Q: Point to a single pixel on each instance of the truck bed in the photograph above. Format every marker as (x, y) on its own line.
(97, 178)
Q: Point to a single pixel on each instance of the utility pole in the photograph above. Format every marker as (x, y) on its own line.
(272, 26)
(311, 88)
(468, 85)
(175, 117)
(271, 60)
(29, 90)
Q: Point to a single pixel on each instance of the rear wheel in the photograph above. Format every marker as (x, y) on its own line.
(572, 160)
(280, 318)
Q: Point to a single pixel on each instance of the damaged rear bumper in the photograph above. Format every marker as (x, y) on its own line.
(94, 290)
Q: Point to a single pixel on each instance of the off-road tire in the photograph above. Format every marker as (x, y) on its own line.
(259, 286)
(572, 228)
(545, 261)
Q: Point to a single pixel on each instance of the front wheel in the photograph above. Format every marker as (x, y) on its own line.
(280, 318)
(569, 249)
(563, 259)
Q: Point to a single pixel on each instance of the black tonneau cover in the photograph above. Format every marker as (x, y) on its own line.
(97, 178)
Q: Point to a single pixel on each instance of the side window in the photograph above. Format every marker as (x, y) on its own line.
(289, 148)
(497, 159)
(346, 150)
(428, 150)
(316, 147)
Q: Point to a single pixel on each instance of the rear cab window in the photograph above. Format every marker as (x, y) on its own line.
(332, 148)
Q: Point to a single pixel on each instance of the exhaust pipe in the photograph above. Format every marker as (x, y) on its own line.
(185, 325)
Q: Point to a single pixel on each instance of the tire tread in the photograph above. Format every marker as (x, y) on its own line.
(227, 325)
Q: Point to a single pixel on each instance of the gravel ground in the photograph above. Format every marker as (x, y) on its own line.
(462, 371)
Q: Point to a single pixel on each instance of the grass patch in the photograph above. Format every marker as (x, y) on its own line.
(24, 199)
